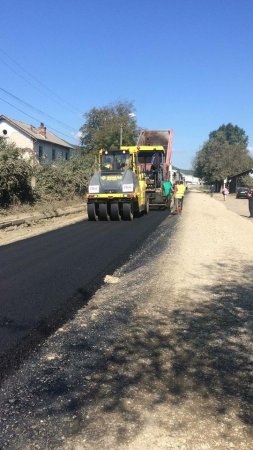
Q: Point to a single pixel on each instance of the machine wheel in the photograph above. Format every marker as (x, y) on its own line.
(103, 213)
(128, 211)
(91, 209)
(115, 215)
(146, 210)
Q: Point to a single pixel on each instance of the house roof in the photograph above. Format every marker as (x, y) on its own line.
(33, 132)
(246, 172)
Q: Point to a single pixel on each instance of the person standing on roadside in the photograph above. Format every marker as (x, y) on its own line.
(212, 190)
(182, 189)
(179, 191)
(225, 192)
(250, 198)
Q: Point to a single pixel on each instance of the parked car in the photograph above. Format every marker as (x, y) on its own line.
(241, 192)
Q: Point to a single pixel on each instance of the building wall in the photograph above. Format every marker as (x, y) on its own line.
(44, 151)
(15, 136)
(48, 152)
(191, 179)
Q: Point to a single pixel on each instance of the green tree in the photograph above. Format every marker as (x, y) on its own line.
(82, 166)
(224, 154)
(231, 134)
(15, 175)
(245, 180)
(102, 127)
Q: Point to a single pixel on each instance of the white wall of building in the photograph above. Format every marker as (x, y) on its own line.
(191, 179)
(46, 151)
(15, 136)
(49, 152)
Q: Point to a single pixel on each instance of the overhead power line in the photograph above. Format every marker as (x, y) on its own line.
(36, 109)
(56, 98)
(34, 118)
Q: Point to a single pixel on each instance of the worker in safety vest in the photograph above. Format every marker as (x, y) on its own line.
(179, 191)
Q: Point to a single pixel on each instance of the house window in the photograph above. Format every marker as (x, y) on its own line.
(5, 132)
(40, 152)
(53, 154)
(67, 156)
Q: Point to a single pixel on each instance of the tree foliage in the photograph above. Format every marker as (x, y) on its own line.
(102, 127)
(15, 175)
(245, 180)
(224, 154)
(232, 134)
(64, 180)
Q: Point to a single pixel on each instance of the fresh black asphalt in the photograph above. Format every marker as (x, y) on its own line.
(40, 277)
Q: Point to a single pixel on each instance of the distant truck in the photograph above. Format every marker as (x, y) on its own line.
(132, 178)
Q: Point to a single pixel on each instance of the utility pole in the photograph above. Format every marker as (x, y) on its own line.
(121, 129)
(121, 134)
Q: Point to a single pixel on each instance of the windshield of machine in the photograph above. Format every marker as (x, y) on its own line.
(150, 160)
(116, 161)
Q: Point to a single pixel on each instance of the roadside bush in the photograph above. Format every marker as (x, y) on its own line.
(15, 176)
(64, 180)
(51, 183)
(81, 167)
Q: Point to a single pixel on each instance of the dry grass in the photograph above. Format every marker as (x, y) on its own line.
(42, 207)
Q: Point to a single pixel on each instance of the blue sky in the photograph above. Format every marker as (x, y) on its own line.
(185, 64)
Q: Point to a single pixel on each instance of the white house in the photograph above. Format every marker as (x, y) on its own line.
(189, 178)
(38, 143)
(187, 175)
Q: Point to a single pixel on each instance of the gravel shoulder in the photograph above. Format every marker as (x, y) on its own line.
(160, 358)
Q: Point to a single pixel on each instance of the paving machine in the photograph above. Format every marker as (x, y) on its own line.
(154, 159)
(131, 178)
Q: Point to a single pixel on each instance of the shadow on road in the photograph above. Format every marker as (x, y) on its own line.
(107, 372)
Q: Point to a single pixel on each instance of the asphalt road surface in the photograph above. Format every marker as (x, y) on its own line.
(40, 277)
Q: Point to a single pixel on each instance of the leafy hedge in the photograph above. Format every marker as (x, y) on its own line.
(59, 181)
(64, 179)
(15, 176)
